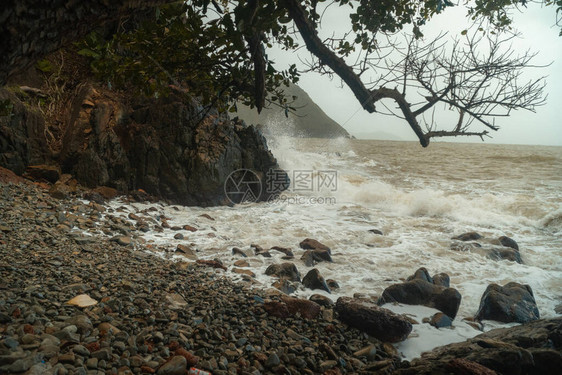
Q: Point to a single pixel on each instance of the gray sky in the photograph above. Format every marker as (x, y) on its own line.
(539, 33)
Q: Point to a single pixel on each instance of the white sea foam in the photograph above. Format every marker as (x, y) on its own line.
(418, 212)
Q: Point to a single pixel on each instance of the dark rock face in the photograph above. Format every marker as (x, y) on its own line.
(533, 348)
(376, 321)
(284, 270)
(420, 291)
(163, 147)
(512, 302)
(22, 136)
(313, 280)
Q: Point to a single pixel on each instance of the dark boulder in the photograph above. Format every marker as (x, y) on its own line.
(442, 279)
(489, 251)
(333, 284)
(284, 270)
(440, 320)
(376, 231)
(311, 257)
(508, 242)
(313, 280)
(512, 302)
(505, 253)
(421, 274)
(308, 258)
(533, 348)
(321, 255)
(283, 250)
(310, 244)
(50, 173)
(376, 321)
(469, 236)
(419, 291)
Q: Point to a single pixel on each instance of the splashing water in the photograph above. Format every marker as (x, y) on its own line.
(419, 198)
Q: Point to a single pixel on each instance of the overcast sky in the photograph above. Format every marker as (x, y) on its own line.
(539, 33)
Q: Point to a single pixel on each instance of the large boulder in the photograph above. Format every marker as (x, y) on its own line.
(313, 280)
(533, 348)
(512, 302)
(420, 290)
(376, 321)
(311, 244)
(502, 248)
(284, 270)
(508, 242)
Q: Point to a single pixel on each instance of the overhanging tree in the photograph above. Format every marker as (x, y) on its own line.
(218, 50)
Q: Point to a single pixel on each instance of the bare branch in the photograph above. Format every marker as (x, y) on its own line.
(478, 76)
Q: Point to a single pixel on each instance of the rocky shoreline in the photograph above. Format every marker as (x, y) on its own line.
(140, 313)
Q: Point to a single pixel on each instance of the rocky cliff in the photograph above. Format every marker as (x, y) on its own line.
(170, 147)
(308, 119)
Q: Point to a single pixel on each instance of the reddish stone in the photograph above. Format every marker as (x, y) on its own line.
(190, 358)
(307, 309)
(28, 328)
(147, 370)
(106, 192)
(276, 308)
(7, 176)
(190, 228)
(174, 345)
(290, 306)
(93, 346)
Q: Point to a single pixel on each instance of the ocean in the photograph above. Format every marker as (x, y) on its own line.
(418, 198)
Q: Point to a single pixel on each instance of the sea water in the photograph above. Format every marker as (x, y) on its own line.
(418, 198)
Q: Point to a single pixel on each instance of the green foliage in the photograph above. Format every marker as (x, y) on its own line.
(179, 48)
(204, 45)
(45, 66)
(497, 11)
